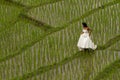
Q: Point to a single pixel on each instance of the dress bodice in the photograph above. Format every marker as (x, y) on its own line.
(85, 31)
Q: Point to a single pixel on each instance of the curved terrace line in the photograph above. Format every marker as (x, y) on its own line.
(106, 72)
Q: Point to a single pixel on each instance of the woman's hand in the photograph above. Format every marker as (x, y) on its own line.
(82, 32)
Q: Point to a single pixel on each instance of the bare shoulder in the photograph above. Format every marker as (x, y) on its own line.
(88, 29)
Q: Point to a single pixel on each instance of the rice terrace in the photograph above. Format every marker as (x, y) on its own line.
(38, 40)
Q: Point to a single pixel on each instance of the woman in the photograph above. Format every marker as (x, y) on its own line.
(85, 41)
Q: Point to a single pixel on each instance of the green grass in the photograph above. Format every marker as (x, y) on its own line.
(111, 68)
(38, 39)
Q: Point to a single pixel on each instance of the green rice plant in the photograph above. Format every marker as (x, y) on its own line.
(38, 39)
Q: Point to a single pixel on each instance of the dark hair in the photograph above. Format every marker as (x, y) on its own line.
(84, 24)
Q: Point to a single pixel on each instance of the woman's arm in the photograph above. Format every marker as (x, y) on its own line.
(89, 30)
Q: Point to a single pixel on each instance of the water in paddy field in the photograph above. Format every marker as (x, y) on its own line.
(38, 40)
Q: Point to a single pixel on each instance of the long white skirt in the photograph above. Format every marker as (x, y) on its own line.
(85, 42)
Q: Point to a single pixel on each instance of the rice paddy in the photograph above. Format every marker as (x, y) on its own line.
(38, 40)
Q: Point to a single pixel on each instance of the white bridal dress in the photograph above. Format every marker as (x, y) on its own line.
(85, 41)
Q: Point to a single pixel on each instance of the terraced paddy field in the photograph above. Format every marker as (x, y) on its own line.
(38, 40)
